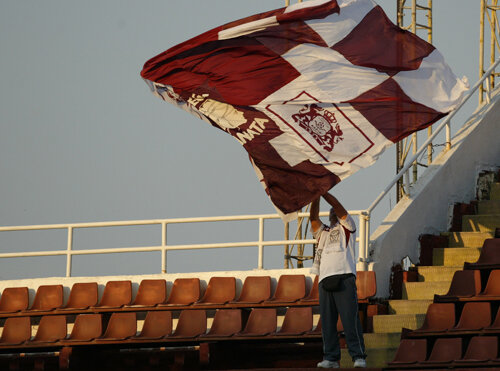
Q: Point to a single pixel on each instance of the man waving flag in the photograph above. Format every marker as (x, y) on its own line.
(313, 91)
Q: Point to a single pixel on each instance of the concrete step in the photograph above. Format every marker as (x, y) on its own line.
(455, 256)
(408, 306)
(467, 239)
(382, 340)
(376, 358)
(488, 207)
(390, 323)
(495, 191)
(480, 223)
(438, 273)
(424, 290)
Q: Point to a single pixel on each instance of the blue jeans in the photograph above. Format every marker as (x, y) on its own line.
(344, 303)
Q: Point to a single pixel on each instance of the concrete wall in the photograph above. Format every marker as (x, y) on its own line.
(452, 178)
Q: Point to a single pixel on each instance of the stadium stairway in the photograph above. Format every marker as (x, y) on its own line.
(422, 282)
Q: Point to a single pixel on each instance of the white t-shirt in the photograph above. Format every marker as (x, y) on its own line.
(337, 248)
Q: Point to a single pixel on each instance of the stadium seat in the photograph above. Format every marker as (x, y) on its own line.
(51, 329)
(316, 331)
(366, 284)
(298, 321)
(492, 288)
(121, 326)
(466, 283)
(227, 322)
(444, 352)
(255, 290)
(440, 317)
(87, 327)
(489, 257)
(116, 294)
(150, 293)
(290, 288)
(16, 331)
(475, 316)
(14, 299)
(410, 352)
(157, 325)
(481, 349)
(495, 326)
(191, 324)
(47, 298)
(313, 295)
(261, 322)
(220, 290)
(185, 291)
(83, 295)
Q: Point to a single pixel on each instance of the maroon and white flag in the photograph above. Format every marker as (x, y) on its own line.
(313, 91)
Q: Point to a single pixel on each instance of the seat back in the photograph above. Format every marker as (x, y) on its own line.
(87, 327)
(14, 299)
(220, 290)
(475, 316)
(185, 291)
(439, 317)
(255, 289)
(493, 285)
(51, 329)
(290, 288)
(490, 253)
(116, 294)
(192, 323)
(314, 293)
(482, 348)
(151, 292)
(82, 296)
(366, 284)
(446, 350)
(261, 322)
(410, 351)
(16, 330)
(48, 297)
(121, 326)
(298, 321)
(157, 325)
(227, 322)
(465, 283)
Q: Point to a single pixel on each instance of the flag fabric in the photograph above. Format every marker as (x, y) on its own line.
(313, 91)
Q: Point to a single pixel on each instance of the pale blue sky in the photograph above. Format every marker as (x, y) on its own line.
(83, 139)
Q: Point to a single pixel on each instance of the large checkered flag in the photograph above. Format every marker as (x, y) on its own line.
(314, 91)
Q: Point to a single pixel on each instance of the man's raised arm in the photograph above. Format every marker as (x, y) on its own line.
(340, 211)
(314, 215)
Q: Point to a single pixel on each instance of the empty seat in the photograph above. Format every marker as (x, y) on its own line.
(121, 326)
(116, 294)
(220, 290)
(16, 330)
(87, 327)
(261, 322)
(481, 349)
(495, 326)
(475, 316)
(157, 325)
(366, 284)
(465, 283)
(47, 298)
(410, 351)
(255, 290)
(150, 293)
(82, 296)
(444, 351)
(313, 295)
(493, 285)
(185, 291)
(489, 257)
(227, 322)
(298, 321)
(439, 317)
(14, 299)
(290, 288)
(51, 329)
(192, 323)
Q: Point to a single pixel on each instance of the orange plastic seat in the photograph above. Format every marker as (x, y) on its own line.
(87, 327)
(481, 349)
(255, 290)
(366, 284)
(298, 321)
(290, 288)
(116, 294)
(14, 299)
(440, 317)
(150, 293)
(475, 316)
(261, 322)
(121, 326)
(444, 352)
(220, 290)
(489, 257)
(47, 298)
(83, 295)
(493, 285)
(465, 283)
(51, 329)
(313, 295)
(227, 322)
(185, 291)
(410, 351)
(157, 325)
(16, 331)
(191, 324)
(317, 330)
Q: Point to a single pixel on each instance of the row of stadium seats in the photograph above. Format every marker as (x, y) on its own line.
(185, 293)
(467, 285)
(157, 327)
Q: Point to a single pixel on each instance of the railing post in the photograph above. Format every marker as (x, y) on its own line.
(68, 254)
(261, 246)
(448, 136)
(164, 247)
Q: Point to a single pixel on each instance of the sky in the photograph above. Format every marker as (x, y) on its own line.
(82, 139)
